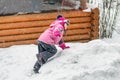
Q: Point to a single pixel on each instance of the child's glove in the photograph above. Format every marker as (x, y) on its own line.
(63, 46)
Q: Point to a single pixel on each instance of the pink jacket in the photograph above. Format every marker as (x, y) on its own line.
(53, 34)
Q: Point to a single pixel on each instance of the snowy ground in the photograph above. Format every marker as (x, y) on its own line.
(95, 60)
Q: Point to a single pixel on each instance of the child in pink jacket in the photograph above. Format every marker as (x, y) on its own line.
(48, 39)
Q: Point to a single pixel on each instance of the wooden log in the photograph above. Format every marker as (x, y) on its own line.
(40, 23)
(95, 11)
(39, 30)
(76, 37)
(95, 28)
(44, 16)
(95, 22)
(79, 26)
(8, 44)
(80, 41)
(11, 32)
(34, 41)
(75, 13)
(93, 38)
(95, 16)
(31, 41)
(19, 37)
(78, 31)
(28, 36)
(95, 34)
(80, 20)
(24, 24)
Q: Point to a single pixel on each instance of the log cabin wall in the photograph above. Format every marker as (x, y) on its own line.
(25, 29)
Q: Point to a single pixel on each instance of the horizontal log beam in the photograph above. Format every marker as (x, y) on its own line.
(79, 26)
(80, 20)
(36, 35)
(66, 39)
(25, 42)
(8, 44)
(78, 31)
(11, 32)
(76, 37)
(19, 37)
(42, 16)
(39, 30)
(40, 23)
(24, 24)
(80, 41)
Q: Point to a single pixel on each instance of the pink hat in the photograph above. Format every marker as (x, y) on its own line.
(61, 20)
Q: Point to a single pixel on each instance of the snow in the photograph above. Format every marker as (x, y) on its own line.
(96, 60)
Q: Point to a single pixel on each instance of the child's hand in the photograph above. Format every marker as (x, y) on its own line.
(63, 46)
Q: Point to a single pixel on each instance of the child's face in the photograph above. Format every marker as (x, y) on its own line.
(65, 25)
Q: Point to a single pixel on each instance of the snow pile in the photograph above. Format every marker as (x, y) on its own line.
(94, 60)
(92, 6)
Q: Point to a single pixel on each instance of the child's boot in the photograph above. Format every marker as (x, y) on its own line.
(36, 67)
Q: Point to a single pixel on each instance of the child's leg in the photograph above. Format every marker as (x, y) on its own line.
(38, 63)
(40, 47)
(45, 51)
(36, 67)
(50, 51)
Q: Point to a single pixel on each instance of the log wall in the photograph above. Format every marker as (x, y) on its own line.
(25, 29)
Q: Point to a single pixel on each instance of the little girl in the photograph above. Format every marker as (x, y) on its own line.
(48, 39)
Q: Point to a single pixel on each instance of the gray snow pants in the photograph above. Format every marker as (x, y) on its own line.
(46, 51)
